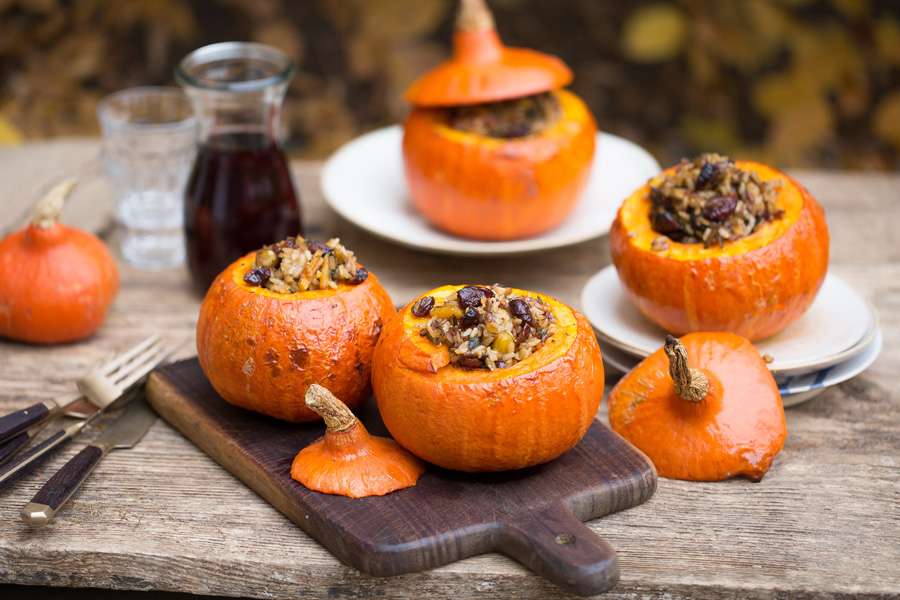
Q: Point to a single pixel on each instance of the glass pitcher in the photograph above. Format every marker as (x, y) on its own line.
(239, 195)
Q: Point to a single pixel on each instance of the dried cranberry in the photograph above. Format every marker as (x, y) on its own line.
(470, 362)
(520, 309)
(470, 296)
(488, 292)
(657, 197)
(709, 175)
(317, 246)
(469, 318)
(720, 208)
(524, 333)
(423, 307)
(258, 276)
(361, 275)
(665, 222)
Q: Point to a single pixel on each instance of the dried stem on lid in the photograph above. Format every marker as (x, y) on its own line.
(335, 413)
(690, 384)
(474, 15)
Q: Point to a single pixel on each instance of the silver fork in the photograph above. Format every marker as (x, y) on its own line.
(103, 386)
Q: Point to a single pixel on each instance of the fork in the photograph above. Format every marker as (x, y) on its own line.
(17, 425)
(117, 379)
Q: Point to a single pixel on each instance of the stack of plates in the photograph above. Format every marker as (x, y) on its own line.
(835, 340)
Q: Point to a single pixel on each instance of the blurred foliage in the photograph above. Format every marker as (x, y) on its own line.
(792, 82)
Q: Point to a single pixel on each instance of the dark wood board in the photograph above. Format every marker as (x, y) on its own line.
(534, 515)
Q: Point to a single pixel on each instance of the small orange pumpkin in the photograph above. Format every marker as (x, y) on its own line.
(704, 408)
(480, 420)
(755, 286)
(56, 282)
(348, 461)
(261, 349)
(489, 188)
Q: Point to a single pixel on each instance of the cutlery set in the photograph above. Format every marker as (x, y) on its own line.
(115, 386)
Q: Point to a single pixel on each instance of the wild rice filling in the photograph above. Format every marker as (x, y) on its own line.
(507, 119)
(486, 327)
(298, 265)
(710, 200)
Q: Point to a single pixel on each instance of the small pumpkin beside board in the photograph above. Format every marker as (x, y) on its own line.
(57, 282)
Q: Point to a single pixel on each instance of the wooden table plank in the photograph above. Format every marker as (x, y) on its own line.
(826, 520)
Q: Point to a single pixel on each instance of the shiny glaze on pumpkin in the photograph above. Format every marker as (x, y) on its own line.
(755, 286)
(495, 189)
(261, 350)
(479, 420)
(737, 429)
(56, 284)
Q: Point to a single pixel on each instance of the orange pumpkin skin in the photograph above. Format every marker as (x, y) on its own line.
(754, 287)
(484, 70)
(56, 284)
(482, 420)
(261, 350)
(737, 429)
(498, 189)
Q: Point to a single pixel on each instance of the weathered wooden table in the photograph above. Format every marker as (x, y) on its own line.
(824, 522)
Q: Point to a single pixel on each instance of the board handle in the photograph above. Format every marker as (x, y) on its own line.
(557, 545)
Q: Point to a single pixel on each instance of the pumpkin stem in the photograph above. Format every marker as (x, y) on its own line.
(474, 15)
(690, 384)
(335, 413)
(48, 208)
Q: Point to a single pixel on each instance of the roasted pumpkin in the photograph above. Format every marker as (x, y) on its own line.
(481, 419)
(261, 349)
(485, 187)
(347, 461)
(754, 286)
(703, 408)
(56, 282)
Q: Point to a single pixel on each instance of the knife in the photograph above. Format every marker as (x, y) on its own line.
(125, 432)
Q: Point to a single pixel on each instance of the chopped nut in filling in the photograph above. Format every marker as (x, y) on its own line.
(486, 327)
(710, 200)
(507, 119)
(298, 265)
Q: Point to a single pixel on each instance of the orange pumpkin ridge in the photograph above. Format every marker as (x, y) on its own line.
(261, 350)
(485, 188)
(755, 286)
(704, 408)
(348, 461)
(480, 420)
(57, 283)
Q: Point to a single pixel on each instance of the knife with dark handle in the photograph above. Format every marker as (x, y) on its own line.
(125, 432)
(14, 423)
(26, 461)
(10, 447)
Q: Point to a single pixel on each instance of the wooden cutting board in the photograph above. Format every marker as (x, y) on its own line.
(534, 515)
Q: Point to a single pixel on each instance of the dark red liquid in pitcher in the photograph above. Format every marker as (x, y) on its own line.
(239, 197)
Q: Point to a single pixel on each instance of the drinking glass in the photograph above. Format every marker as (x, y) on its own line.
(149, 136)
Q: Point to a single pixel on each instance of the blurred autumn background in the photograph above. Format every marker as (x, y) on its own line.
(794, 82)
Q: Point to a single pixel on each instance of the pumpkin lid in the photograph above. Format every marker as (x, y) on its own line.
(347, 461)
(483, 70)
(704, 407)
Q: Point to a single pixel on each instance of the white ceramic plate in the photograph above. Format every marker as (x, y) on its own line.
(364, 183)
(794, 389)
(838, 324)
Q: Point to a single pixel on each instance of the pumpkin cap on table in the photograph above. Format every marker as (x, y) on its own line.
(702, 408)
(348, 461)
(483, 70)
